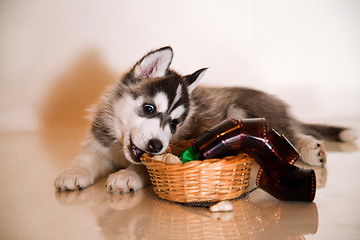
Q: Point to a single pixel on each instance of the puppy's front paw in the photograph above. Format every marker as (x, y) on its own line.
(73, 179)
(313, 152)
(124, 181)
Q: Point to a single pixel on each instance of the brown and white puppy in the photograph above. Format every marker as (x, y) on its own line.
(153, 105)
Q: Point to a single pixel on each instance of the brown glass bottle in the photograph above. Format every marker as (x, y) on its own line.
(227, 137)
(272, 151)
(278, 176)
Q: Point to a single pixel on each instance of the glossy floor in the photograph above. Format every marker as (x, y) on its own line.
(32, 209)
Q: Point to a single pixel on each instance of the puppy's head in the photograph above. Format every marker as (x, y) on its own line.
(153, 101)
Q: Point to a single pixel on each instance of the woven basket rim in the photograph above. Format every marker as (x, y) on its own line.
(147, 159)
(207, 180)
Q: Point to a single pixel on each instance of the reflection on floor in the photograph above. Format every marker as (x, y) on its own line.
(32, 209)
(141, 216)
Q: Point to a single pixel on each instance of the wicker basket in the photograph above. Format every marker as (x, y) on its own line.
(210, 180)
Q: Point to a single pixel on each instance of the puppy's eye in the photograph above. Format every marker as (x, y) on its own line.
(173, 125)
(149, 108)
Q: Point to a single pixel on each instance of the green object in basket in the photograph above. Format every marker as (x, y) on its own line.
(189, 154)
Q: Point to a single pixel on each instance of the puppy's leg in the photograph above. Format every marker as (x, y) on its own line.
(128, 180)
(312, 151)
(88, 166)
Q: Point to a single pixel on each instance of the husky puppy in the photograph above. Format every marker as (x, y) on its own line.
(153, 105)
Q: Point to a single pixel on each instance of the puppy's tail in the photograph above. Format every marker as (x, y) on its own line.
(330, 133)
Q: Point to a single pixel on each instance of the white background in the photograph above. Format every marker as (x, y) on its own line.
(56, 57)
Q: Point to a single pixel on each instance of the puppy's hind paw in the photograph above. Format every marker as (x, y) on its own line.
(73, 179)
(312, 151)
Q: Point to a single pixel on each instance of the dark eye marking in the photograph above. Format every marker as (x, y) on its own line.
(173, 125)
(149, 109)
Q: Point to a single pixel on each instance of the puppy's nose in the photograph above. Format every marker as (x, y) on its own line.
(155, 145)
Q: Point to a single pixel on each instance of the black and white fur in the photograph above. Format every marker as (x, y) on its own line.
(153, 105)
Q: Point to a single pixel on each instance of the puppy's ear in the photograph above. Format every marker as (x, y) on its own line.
(154, 64)
(194, 79)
